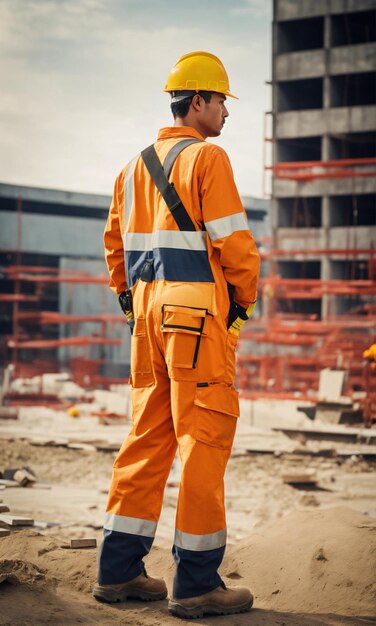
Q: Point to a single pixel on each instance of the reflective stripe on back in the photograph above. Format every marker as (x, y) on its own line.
(179, 239)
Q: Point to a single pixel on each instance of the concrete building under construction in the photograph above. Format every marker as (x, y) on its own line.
(319, 307)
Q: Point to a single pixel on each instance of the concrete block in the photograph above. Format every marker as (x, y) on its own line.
(331, 384)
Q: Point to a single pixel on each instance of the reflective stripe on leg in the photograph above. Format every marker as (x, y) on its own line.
(131, 525)
(199, 543)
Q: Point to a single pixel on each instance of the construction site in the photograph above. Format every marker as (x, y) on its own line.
(304, 457)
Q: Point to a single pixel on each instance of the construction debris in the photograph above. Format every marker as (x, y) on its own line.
(8, 483)
(348, 435)
(24, 476)
(11, 520)
(305, 477)
(83, 543)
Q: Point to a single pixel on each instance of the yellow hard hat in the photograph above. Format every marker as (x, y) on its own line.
(73, 412)
(199, 71)
(370, 353)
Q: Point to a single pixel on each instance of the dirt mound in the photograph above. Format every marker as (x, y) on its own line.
(319, 561)
(75, 568)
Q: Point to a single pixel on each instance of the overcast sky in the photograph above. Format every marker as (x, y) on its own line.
(81, 84)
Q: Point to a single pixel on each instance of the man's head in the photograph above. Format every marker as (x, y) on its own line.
(198, 84)
(203, 110)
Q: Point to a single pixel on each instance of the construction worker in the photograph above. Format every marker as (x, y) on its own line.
(370, 355)
(185, 266)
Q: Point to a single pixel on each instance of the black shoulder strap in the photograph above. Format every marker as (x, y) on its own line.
(160, 176)
(174, 153)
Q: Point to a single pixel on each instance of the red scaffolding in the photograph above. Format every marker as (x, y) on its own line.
(29, 327)
(282, 352)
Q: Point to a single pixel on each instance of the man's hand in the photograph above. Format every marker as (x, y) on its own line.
(125, 300)
(238, 316)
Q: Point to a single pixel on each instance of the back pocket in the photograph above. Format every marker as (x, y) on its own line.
(183, 329)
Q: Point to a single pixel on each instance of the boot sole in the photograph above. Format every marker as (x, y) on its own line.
(112, 595)
(210, 608)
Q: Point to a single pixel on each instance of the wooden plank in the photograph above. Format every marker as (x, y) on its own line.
(16, 520)
(4, 508)
(41, 442)
(349, 435)
(300, 477)
(82, 446)
(9, 483)
(4, 532)
(108, 447)
(83, 543)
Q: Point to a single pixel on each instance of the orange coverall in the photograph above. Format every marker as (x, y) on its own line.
(182, 358)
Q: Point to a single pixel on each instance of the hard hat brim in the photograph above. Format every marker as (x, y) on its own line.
(184, 94)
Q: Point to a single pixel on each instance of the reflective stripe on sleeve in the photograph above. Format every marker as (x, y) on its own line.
(131, 525)
(225, 226)
(199, 543)
(128, 190)
(177, 239)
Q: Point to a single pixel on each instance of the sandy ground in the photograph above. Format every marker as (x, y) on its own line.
(309, 555)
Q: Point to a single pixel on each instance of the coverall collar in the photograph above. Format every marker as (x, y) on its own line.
(170, 132)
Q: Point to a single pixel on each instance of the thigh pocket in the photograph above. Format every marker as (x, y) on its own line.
(216, 412)
(141, 370)
(183, 328)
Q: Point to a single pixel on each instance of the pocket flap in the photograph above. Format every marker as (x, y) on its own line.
(218, 397)
(183, 319)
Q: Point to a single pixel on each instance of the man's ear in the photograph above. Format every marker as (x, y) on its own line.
(196, 102)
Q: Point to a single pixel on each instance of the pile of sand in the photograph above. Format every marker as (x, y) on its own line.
(311, 563)
(317, 562)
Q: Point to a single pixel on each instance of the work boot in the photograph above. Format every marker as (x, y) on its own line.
(220, 601)
(143, 587)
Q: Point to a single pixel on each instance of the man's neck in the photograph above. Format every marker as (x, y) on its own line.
(188, 121)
